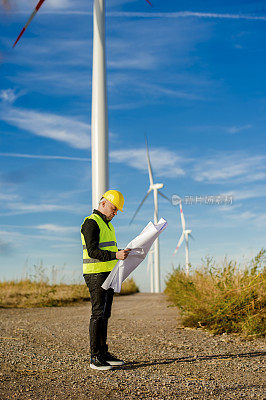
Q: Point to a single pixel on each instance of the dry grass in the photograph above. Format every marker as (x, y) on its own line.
(26, 293)
(223, 298)
(129, 287)
(37, 291)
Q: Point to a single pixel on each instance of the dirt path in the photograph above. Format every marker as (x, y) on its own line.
(45, 356)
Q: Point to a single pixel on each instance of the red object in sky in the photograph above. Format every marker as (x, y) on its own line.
(33, 15)
(29, 20)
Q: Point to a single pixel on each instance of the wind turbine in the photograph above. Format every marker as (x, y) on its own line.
(185, 235)
(99, 117)
(150, 268)
(155, 188)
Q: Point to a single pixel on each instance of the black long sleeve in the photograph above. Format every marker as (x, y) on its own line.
(91, 233)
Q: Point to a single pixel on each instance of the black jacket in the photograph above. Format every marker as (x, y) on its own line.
(91, 232)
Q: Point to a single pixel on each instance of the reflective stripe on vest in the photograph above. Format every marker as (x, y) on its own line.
(103, 244)
(107, 241)
(90, 261)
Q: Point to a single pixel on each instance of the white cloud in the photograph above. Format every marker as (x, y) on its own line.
(169, 91)
(237, 167)
(237, 129)
(251, 193)
(19, 208)
(244, 215)
(52, 126)
(185, 14)
(61, 52)
(142, 61)
(150, 14)
(229, 208)
(23, 6)
(9, 95)
(21, 238)
(63, 82)
(256, 219)
(8, 197)
(164, 162)
(60, 64)
(222, 168)
(62, 4)
(57, 228)
(44, 157)
(33, 208)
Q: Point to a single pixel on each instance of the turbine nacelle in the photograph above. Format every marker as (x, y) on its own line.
(156, 186)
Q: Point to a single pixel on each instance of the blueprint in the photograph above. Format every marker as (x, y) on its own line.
(140, 247)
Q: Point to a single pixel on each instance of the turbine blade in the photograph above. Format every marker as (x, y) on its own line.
(180, 242)
(149, 163)
(29, 20)
(192, 237)
(182, 216)
(148, 1)
(132, 219)
(155, 195)
(165, 197)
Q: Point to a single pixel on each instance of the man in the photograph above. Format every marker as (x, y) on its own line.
(100, 255)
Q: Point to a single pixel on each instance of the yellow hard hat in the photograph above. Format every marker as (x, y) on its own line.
(115, 197)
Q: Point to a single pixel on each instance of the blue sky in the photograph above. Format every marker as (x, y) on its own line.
(188, 74)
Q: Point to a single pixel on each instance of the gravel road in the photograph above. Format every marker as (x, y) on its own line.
(45, 356)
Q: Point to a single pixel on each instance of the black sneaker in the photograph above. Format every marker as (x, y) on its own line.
(99, 363)
(112, 360)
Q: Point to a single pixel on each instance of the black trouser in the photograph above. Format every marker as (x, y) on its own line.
(101, 302)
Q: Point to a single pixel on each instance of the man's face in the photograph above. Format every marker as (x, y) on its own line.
(109, 210)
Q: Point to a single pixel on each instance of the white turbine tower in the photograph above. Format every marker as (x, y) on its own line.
(150, 268)
(99, 115)
(185, 235)
(156, 256)
(99, 118)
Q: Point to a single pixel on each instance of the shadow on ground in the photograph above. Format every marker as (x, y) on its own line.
(139, 364)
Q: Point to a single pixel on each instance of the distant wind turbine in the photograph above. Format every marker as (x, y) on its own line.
(185, 235)
(155, 188)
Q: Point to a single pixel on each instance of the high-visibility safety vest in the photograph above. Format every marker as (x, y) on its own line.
(107, 241)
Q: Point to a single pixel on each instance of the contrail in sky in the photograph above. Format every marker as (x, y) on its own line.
(186, 14)
(44, 157)
(172, 15)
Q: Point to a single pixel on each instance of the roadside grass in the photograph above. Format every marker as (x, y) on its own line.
(129, 287)
(38, 291)
(27, 293)
(222, 299)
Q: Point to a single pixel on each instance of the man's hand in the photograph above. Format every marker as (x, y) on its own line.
(122, 254)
